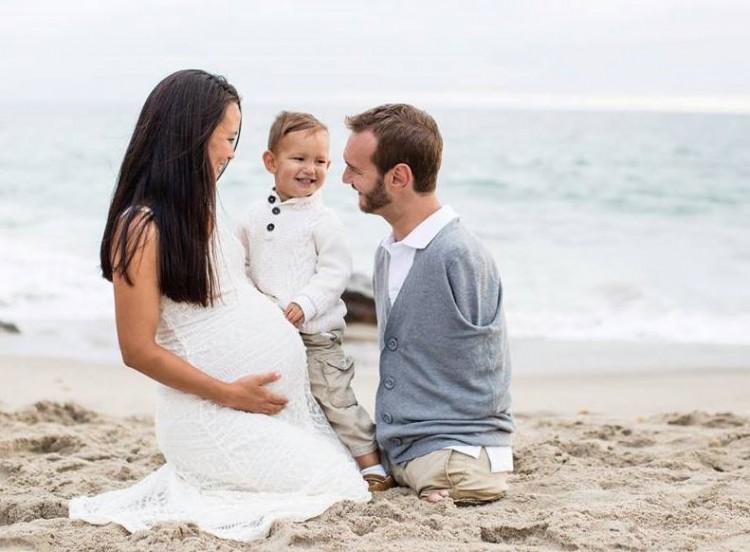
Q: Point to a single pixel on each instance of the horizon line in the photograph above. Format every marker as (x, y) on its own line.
(734, 104)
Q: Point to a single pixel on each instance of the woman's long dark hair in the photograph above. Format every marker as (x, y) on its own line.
(166, 169)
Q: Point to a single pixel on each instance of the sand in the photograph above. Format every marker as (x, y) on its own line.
(647, 453)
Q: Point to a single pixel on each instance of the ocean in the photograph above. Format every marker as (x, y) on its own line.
(606, 226)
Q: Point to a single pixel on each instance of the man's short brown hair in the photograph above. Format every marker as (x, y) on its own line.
(291, 121)
(407, 135)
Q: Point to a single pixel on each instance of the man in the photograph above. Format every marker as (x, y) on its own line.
(443, 405)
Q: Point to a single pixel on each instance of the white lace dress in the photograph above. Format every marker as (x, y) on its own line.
(230, 472)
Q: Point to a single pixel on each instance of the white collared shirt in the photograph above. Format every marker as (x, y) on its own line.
(401, 260)
(402, 252)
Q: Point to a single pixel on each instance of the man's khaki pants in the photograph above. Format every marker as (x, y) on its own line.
(467, 479)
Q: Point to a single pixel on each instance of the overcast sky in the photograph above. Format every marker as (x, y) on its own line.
(484, 51)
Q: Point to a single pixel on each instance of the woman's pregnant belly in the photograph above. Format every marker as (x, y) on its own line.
(243, 335)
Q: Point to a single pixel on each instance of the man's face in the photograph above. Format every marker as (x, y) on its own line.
(362, 174)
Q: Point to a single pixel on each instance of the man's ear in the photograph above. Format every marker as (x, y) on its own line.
(402, 176)
(269, 161)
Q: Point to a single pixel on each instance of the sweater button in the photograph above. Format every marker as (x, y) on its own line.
(392, 344)
(271, 199)
(387, 418)
(389, 382)
(270, 227)
(275, 210)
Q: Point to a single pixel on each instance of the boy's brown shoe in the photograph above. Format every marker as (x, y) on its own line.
(377, 483)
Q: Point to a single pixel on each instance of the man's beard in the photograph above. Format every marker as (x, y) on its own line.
(376, 199)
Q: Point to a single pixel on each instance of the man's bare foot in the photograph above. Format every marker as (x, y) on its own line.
(437, 496)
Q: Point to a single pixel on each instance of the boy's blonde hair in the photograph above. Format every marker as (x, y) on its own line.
(292, 121)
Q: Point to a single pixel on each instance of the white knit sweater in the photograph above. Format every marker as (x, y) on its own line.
(296, 252)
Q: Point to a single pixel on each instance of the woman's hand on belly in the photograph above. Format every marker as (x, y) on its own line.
(250, 394)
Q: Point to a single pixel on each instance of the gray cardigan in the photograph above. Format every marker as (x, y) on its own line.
(444, 362)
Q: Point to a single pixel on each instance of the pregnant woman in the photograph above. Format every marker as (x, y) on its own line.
(244, 441)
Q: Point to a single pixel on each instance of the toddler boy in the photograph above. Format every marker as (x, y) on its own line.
(296, 254)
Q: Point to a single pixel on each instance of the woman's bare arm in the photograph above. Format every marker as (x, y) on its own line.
(137, 318)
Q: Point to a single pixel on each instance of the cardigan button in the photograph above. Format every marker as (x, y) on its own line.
(389, 382)
(387, 418)
(270, 227)
(271, 199)
(392, 344)
(275, 210)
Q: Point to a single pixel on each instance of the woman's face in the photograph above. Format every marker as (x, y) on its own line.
(222, 141)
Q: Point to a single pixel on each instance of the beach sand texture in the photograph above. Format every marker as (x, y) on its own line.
(586, 482)
(603, 462)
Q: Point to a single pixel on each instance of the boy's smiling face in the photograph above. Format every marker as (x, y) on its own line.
(299, 163)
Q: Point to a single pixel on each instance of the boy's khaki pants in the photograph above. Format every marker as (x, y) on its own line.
(331, 373)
